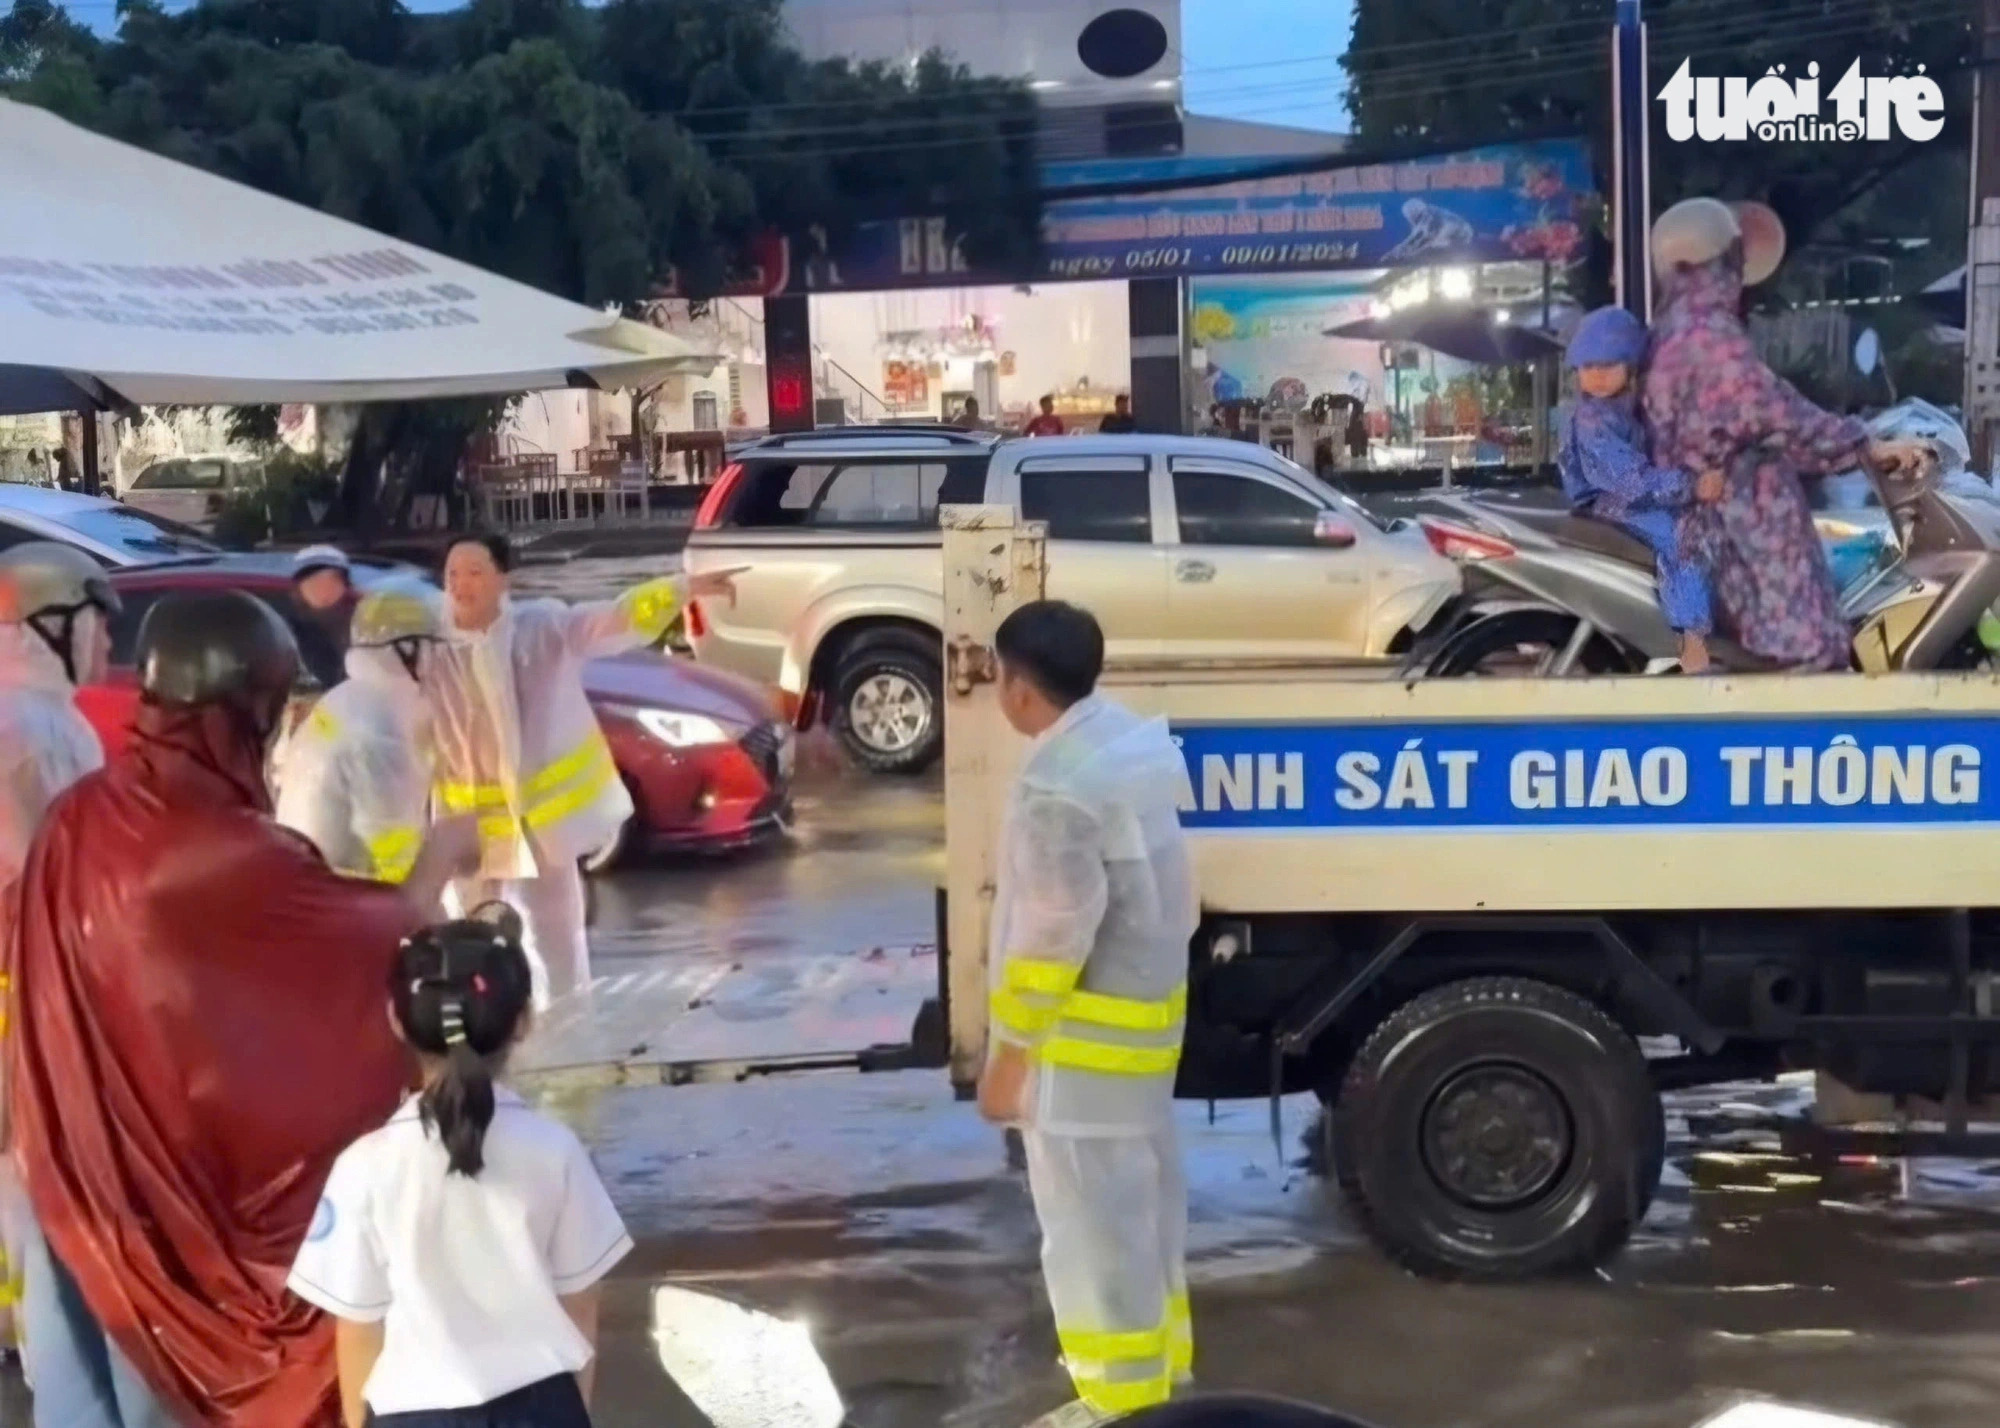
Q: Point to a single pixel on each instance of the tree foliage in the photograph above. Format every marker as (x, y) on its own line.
(590, 152)
(1478, 71)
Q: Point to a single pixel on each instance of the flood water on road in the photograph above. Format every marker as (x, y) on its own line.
(882, 1212)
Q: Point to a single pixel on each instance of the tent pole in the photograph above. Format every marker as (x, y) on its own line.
(92, 478)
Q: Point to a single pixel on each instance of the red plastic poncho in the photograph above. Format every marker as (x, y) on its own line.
(201, 1031)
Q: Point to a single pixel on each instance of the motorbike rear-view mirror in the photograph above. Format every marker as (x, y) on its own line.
(1334, 532)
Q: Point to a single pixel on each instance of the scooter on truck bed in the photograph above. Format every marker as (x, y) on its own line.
(1552, 592)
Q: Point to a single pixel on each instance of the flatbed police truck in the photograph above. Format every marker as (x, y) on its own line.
(1490, 922)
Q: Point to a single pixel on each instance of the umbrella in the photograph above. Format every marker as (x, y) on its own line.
(1469, 334)
(130, 278)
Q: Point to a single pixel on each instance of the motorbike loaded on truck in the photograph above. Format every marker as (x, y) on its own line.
(1487, 923)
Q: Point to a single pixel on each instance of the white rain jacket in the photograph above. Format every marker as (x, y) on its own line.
(45, 746)
(516, 740)
(355, 776)
(45, 743)
(1094, 907)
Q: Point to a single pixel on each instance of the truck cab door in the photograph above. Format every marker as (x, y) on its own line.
(1258, 570)
(1103, 544)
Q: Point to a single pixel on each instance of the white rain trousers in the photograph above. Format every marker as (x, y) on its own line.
(518, 745)
(355, 776)
(45, 746)
(1095, 905)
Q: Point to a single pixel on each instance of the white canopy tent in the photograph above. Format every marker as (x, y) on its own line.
(127, 278)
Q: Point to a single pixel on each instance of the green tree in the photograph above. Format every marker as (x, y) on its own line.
(1479, 71)
(587, 152)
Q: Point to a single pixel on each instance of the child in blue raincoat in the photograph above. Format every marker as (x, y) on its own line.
(1606, 473)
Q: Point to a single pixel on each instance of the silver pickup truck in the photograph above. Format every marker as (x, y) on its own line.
(1186, 548)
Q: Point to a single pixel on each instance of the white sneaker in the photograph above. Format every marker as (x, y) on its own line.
(1072, 1415)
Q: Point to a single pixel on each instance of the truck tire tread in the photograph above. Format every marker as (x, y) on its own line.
(1609, 1225)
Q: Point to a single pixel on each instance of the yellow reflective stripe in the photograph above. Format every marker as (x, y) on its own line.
(591, 760)
(651, 607)
(10, 1293)
(560, 771)
(1127, 1013)
(1128, 1397)
(323, 723)
(1180, 1335)
(1031, 974)
(1113, 1060)
(394, 853)
(1021, 1016)
(556, 807)
(1104, 1349)
(470, 797)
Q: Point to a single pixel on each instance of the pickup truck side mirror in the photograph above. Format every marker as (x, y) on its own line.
(1334, 532)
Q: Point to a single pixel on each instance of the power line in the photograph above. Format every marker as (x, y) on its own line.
(1580, 68)
(1452, 46)
(1403, 82)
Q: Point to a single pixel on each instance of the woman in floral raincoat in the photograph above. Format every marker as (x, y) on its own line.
(1712, 404)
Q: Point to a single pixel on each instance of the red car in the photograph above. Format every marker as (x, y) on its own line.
(707, 761)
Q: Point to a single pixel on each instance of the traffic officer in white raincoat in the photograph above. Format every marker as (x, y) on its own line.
(518, 745)
(1095, 906)
(54, 602)
(355, 777)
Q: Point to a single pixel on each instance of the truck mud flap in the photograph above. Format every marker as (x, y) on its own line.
(676, 1021)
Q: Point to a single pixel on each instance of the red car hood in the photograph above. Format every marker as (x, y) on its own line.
(648, 680)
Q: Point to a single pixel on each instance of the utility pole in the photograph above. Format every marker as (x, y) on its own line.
(1631, 163)
(1982, 250)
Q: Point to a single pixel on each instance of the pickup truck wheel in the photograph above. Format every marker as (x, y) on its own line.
(1498, 1128)
(888, 702)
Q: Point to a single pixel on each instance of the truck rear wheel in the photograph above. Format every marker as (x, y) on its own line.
(1498, 1128)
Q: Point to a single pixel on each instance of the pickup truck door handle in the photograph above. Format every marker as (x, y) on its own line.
(1194, 572)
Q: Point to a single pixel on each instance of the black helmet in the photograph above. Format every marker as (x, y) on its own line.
(216, 647)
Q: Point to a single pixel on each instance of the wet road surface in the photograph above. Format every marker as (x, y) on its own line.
(883, 1213)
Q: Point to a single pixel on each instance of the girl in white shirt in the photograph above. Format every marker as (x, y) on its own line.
(461, 1246)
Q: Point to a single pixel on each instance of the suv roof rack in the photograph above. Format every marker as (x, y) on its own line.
(952, 435)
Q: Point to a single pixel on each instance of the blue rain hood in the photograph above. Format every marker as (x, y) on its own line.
(1605, 337)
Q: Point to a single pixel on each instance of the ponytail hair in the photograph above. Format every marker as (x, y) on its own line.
(460, 991)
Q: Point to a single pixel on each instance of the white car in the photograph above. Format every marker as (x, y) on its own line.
(114, 534)
(191, 489)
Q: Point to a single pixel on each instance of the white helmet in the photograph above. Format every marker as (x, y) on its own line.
(46, 586)
(320, 557)
(1692, 232)
(392, 614)
(403, 617)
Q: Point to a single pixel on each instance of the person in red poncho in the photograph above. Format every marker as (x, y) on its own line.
(199, 1032)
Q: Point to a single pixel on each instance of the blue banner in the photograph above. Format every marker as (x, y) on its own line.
(1510, 201)
(1811, 771)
